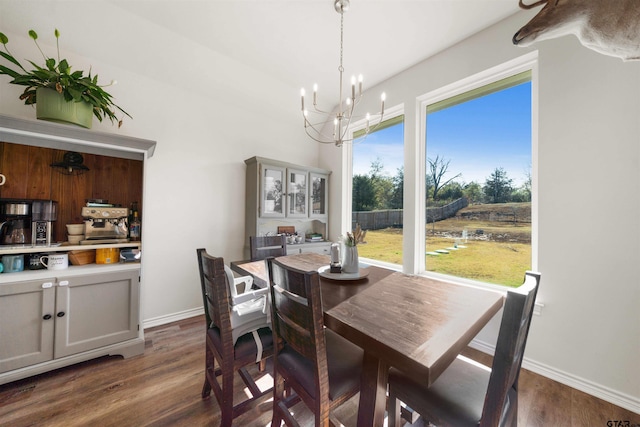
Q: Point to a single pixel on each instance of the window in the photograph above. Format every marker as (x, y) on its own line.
(479, 181)
(377, 190)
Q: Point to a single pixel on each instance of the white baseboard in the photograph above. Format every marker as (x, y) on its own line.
(623, 400)
(174, 317)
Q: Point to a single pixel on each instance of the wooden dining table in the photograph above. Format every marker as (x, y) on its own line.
(413, 323)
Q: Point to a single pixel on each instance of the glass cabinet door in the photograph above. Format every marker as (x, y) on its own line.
(297, 192)
(272, 187)
(318, 197)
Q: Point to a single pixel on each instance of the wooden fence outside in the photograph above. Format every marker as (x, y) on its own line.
(376, 220)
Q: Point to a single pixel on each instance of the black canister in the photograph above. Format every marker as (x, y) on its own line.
(33, 261)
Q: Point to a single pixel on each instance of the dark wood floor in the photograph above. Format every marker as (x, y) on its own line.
(162, 388)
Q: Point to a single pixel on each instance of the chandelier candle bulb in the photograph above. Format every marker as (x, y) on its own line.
(302, 98)
(353, 87)
(315, 94)
(360, 85)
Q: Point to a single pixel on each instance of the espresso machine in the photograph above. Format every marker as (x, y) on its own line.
(104, 224)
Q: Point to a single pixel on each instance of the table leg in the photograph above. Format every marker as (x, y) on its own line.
(373, 392)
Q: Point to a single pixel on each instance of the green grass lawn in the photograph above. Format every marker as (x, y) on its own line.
(488, 261)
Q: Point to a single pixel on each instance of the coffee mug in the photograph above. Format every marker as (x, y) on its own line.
(55, 261)
(12, 263)
(33, 262)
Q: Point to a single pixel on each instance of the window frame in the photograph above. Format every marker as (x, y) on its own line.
(528, 62)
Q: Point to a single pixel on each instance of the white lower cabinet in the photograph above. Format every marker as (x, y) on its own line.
(56, 321)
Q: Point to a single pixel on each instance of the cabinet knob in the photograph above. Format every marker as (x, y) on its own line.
(46, 317)
(60, 314)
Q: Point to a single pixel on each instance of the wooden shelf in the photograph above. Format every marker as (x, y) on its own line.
(11, 250)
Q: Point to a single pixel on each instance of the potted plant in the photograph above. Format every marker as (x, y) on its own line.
(57, 91)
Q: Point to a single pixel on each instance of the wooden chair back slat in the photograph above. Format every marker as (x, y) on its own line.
(263, 247)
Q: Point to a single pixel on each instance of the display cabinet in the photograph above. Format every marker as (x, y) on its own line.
(281, 196)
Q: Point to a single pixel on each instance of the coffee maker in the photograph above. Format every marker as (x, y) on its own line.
(27, 222)
(43, 213)
(15, 222)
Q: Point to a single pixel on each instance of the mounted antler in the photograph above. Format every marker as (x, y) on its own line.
(608, 27)
(532, 5)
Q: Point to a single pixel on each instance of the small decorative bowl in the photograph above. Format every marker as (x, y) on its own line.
(75, 229)
(75, 239)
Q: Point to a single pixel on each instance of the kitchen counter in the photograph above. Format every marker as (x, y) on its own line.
(72, 270)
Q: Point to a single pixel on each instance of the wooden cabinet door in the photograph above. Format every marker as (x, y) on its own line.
(26, 323)
(95, 311)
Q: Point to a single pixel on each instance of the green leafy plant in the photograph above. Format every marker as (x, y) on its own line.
(73, 85)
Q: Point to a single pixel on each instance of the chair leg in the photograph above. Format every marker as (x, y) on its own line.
(208, 365)
(226, 406)
(393, 411)
(278, 396)
(206, 388)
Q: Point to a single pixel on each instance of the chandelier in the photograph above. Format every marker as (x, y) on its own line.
(345, 107)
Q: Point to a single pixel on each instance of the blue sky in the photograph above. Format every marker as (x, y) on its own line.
(477, 136)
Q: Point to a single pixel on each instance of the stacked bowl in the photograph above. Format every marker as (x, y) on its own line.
(75, 233)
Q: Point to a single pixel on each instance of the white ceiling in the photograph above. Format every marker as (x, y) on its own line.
(297, 41)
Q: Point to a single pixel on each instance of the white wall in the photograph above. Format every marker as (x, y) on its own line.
(588, 175)
(589, 168)
(207, 113)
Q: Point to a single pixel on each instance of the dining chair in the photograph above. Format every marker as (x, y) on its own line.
(467, 393)
(263, 247)
(238, 336)
(320, 366)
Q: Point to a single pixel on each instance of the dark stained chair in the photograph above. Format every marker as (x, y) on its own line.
(321, 367)
(466, 394)
(263, 247)
(253, 341)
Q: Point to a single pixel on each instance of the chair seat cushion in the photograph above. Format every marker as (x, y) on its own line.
(246, 344)
(344, 365)
(456, 398)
